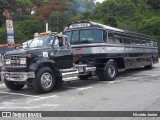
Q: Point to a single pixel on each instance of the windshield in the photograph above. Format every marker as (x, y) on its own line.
(85, 36)
(43, 41)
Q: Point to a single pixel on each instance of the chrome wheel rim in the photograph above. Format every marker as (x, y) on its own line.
(46, 80)
(111, 71)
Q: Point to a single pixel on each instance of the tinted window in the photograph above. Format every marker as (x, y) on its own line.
(143, 42)
(91, 36)
(132, 40)
(118, 40)
(137, 42)
(151, 43)
(155, 44)
(147, 42)
(74, 37)
(110, 37)
(68, 34)
(127, 41)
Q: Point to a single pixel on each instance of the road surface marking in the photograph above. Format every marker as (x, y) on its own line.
(42, 98)
(20, 94)
(50, 105)
(154, 75)
(112, 82)
(85, 88)
(2, 84)
(78, 88)
(21, 107)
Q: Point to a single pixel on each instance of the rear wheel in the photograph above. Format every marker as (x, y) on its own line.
(151, 65)
(109, 73)
(13, 85)
(44, 81)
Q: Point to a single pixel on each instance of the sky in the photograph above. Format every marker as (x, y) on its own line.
(99, 1)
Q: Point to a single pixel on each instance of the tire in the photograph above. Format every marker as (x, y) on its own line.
(84, 77)
(13, 85)
(44, 81)
(109, 73)
(151, 65)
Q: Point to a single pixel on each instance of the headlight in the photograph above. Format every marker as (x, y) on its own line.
(22, 61)
(8, 61)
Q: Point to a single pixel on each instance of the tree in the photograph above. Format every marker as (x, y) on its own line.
(155, 4)
(111, 11)
(43, 12)
(151, 27)
(58, 20)
(28, 27)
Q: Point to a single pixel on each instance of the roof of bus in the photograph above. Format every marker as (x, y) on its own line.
(98, 25)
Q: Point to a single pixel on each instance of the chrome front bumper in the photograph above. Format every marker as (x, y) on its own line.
(17, 76)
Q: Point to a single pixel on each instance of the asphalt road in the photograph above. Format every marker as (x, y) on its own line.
(133, 90)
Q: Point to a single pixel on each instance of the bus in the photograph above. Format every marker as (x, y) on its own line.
(109, 49)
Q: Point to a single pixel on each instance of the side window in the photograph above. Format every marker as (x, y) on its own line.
(143, 42)
(68, 34)
(151, 43)
(110, 37)
(155, 44)
(118, 38)
(74, 37)
(137, 42)
(147, 42)
(127, 40)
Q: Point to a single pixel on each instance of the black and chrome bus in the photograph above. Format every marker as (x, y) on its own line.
(109, 49)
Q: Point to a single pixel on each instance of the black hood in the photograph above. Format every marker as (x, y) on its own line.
(26, 51)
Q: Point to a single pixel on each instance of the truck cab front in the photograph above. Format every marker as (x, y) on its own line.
(38, 65)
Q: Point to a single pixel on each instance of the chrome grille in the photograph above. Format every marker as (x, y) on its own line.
(14, 61)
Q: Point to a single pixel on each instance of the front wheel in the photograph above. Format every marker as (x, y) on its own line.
(109, 72)
(44, 81)
(151, 65)
(13, 85)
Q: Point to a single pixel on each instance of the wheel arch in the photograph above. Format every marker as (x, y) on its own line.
(45, 63)
(100, 63)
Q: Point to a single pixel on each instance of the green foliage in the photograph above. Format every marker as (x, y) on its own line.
(110, 11)
(57, 20)
(28, 27)
(151, 26)
(3, 35)
(155, 4)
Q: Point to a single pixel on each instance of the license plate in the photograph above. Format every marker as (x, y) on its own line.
(15, 76)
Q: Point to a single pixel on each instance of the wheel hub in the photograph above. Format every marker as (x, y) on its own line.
(46, 80)
(111, 71)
